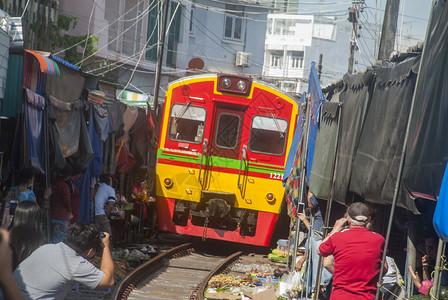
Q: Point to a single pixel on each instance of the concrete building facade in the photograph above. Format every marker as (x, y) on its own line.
(294, 41)
(218, 36)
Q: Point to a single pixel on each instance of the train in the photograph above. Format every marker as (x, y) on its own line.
(222, 149)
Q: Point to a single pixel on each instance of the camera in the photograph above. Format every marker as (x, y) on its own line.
(301, 207)
(12, 208)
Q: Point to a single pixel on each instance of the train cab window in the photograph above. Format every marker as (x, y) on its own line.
(187, 123)
(268, 135)
(227, 131)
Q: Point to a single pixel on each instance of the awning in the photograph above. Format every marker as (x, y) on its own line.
(134, 99)
(47, 65)
(64, 62)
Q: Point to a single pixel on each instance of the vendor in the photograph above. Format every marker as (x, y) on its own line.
(428, 263)
(104, 203)
(315, 237)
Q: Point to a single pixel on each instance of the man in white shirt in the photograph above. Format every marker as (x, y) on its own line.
(104, 202)
(51, 271)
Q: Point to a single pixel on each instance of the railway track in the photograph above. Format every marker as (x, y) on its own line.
(177, 274)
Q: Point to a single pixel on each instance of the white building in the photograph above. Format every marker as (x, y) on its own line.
(224, 36)
(294, 41)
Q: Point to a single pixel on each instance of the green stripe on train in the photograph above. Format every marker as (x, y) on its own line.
(217, 161)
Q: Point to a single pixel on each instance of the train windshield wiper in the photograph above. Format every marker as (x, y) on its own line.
(282, 133)
(183, 111)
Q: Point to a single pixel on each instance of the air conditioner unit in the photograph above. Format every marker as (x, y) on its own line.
(242, 59)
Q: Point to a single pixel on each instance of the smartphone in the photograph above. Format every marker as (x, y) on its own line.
(301, 207)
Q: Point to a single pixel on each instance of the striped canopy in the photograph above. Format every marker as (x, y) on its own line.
(47, 65)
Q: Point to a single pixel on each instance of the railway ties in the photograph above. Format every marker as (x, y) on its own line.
(177, 274)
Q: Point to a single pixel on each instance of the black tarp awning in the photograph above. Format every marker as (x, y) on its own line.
(377, 159)
(427, 148)
(356, 98)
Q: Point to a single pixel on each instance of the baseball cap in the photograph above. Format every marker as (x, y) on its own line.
(358, 211)
(313, 200)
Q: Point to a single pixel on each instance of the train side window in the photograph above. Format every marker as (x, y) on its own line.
(268, 135)
(227, 131)
(187, 123)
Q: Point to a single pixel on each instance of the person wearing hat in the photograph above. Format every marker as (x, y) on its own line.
(357, 253)
(315, 237)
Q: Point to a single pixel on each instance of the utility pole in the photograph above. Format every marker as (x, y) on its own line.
(160, 57)
(353, 14)
(319, 66)
(389, 30)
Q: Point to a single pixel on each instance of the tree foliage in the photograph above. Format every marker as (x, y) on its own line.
(73, 46)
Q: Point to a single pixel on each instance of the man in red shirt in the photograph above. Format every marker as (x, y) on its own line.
(357, 255)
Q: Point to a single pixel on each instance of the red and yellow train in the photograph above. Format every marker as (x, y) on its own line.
(223, 145)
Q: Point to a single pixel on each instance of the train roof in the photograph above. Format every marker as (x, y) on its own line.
(214, 75)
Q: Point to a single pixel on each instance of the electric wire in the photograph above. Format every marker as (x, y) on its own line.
(141, 16)
(88, 31)
(104, 28)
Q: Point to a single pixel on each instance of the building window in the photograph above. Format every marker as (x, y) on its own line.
(193, 7)
(153, 29)
(284, 27)
(173, 34)
(296, 59)
(276, 59)
(233, 22)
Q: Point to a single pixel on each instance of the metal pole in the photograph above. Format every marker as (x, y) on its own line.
(46, 203)
(411, 257)
(329, 203)
(354, 12)
(437, 277)
(319, 66)
(400, 170)
(302, 175)
(159, 57)
(308, 258)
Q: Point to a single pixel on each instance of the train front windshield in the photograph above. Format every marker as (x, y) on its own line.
(268, 135)
(187, 123)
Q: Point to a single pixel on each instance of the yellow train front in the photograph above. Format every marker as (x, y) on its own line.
(223, 145)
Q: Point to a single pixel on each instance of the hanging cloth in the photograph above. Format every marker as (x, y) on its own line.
(35, 105)
(129, 117)
(140, 139)
(84, 156)
(84, 195)
(19, 153)
(96, 146)
(102, 121)
(68, 120)
(356, 98)
(55, 150)
(116, 118)
(377, 158)
(325, 148)
(316, 99)
(125, 159)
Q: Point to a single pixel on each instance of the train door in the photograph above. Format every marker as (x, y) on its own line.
(224, 147)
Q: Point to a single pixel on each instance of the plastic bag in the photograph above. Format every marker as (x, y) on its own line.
(290, 282)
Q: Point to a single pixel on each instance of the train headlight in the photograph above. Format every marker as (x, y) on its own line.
(241, 85)
(226, 82)
(270, 197)
(168, 182)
